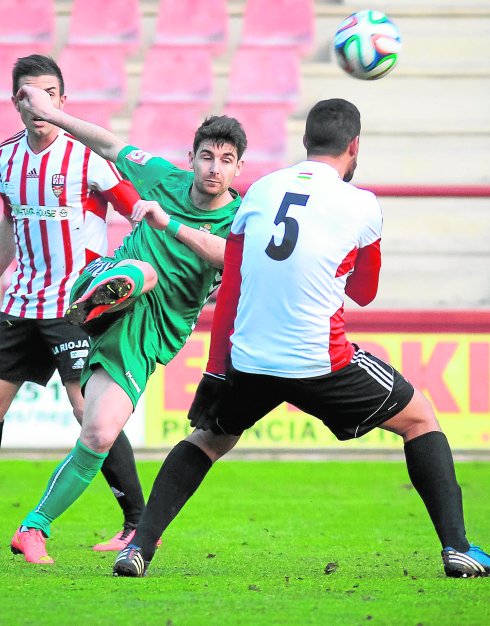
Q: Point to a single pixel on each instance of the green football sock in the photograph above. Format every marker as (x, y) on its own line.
(131, 271)
(68, 481)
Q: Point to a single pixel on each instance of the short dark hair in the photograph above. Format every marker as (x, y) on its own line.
(221, 129)
(330, 126)
(36, 65)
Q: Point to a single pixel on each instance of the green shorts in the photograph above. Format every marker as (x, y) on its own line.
(129, 347)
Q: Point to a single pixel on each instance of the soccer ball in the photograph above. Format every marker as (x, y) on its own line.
(367, 45)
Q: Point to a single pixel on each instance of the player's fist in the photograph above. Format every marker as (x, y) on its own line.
(152, 212)
(35, 101)
(209, 396)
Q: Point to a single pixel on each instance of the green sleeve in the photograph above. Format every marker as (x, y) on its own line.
(143, 169)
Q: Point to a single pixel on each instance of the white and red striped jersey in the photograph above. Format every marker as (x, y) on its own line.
(300, 241)
(57, 200)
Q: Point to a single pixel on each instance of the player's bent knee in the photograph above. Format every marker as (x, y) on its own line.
(215, 446)
(149, 273)
(416, 419)
(97, 441)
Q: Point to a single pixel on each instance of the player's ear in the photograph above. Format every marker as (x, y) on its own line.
(62, 101)
(304, 142)
(354, 146)
(191, 159)
(15, 102)
(239, 166)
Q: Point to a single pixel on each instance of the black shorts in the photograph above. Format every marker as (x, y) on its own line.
(31, 349)
(350, 402)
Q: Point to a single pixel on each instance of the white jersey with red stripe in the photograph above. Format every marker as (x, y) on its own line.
(56, 201)
(302, 228)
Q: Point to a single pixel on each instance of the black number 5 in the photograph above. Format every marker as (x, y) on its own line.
(291, 228)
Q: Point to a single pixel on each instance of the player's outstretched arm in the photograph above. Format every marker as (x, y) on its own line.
(209, 247)
(37, 103)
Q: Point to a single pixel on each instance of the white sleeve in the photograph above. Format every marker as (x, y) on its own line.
(102, 175)
(373, 222)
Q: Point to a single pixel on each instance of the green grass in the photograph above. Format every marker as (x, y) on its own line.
(251, 548)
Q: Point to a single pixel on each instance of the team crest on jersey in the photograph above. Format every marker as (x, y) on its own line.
(139, 157)
(58, 184)
(205, 227)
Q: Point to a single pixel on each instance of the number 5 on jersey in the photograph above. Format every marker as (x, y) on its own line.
(291, 228)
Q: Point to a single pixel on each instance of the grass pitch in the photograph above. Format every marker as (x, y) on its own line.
(261, 543)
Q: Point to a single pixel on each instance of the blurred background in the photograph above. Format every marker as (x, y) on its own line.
(151, 70)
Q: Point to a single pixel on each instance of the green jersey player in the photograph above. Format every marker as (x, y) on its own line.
(141, 304)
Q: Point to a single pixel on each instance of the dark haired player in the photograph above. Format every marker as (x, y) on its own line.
(302, 239)
(55, 194)
(165, 270)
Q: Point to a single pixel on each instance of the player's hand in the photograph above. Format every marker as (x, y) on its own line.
(205, 406)
(152, 212)
(35, 101)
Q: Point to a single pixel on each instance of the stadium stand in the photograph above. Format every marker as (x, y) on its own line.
(265, 75)
(427, 123)
(279, 23)
(95, 75)
(178, 74)
(166, 129)
(10, 121)
(266, 129)
(190, 23)
(108, 23)
(28, 22)
(9, 53)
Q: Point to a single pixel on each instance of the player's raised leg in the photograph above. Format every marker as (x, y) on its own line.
(112, 290)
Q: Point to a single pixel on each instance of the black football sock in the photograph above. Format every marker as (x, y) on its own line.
(119, 470)
(181, 474)
(1, 431)
(431, 470)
